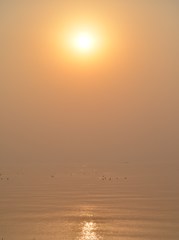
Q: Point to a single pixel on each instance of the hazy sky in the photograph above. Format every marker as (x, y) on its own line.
(120, 105)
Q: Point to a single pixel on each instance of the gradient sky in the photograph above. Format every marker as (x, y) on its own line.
(120, 106)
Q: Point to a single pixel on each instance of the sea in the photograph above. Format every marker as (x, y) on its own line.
(128, 201)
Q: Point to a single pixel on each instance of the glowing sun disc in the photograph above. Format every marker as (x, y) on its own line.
(84, 42)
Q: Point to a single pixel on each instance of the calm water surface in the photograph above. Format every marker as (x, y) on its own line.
(87, 207)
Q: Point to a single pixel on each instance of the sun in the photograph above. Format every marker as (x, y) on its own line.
(84, 42)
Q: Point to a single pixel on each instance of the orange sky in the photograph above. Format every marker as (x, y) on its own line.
(119, 103)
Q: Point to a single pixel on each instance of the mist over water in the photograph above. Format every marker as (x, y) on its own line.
(89, 146)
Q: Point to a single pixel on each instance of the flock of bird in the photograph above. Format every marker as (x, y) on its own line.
(102, 178)
(105, 178)
(3, 177)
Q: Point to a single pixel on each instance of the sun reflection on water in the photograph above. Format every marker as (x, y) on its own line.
(88, 231)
